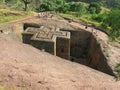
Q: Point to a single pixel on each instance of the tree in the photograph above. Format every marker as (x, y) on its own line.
(113, 21)
(88, 1)
(10, 1)
(113, 3)
(51, 5)
(96, 6)
(63, 9)
(26, 3)
(47, 6)
(38, 2)
(76, 7)
(80, 9)
(3, 1)
(92, 10)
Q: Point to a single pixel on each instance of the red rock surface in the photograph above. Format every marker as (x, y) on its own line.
(27, 68)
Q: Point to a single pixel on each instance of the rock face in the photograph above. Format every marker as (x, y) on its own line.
(87, 50)
(80, 45)
(96, 58)
(85, 47)
(26, 68)
(51, 40)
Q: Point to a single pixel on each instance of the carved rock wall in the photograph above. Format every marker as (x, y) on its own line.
(86, 49)
(96, 58)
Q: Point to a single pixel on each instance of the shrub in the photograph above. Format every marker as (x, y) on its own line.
(117, 70)
(99, 17)
(94, 6)
(51, 5)
(113, 21)
(63, 9)
(92, 10)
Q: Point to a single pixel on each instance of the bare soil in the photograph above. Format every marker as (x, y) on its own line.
(26, 68)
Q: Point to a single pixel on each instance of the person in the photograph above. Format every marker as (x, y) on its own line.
(1, 31)
(51, 15)
(69, 21)
(86, 26)
(92, 29)
(39, 15)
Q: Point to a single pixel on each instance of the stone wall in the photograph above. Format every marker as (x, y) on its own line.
(44, 46)
(78, 43)
(79, 40)
(50, 40)
(63, 48)
(26, 38)
(85, 49)
(96, 58)
(26, 25)
(82, 46)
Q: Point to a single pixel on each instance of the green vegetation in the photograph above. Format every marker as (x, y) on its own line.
(106, 3)
(3, 88)
(94, 7)
(7, 88)
(112, 23)
(8, 15)
(117, 71)
(90, 11)
(51, 5)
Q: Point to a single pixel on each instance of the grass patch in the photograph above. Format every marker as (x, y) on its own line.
(88, 18)
(3, 88)
(9, 15)
(10, 18)
(83, 18)
(7, 88)
(117, 71)
(3, 6)
(95, 19)
(103, 10)
(69, 16)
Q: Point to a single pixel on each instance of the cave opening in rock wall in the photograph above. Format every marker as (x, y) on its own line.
(75, 45)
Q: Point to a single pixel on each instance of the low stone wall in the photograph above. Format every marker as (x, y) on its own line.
(26, 25)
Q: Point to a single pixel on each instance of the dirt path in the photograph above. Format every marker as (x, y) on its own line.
(20, 20)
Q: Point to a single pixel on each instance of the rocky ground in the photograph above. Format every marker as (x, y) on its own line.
(26, 68)
(110, 50)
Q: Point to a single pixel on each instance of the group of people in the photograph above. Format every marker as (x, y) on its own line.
(45, 15)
